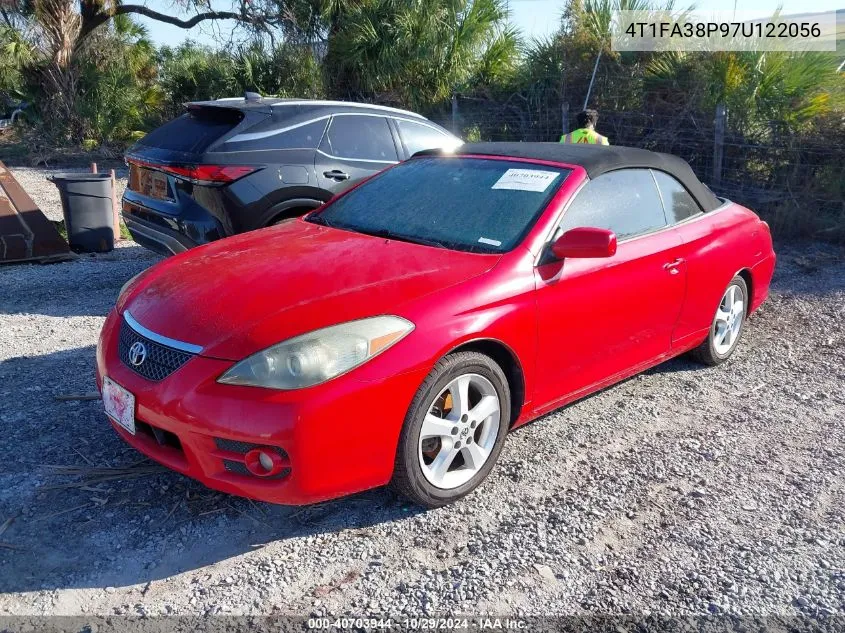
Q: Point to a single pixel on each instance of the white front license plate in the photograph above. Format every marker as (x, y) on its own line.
(119, 404)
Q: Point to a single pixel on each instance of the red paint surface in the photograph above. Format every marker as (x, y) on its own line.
(573, 326)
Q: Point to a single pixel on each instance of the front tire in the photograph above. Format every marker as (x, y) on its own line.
(454, 430)
(727, 326)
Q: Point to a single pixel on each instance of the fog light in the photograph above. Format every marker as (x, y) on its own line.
(264, 462)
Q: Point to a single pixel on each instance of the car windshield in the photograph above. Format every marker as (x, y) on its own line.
(468, 204)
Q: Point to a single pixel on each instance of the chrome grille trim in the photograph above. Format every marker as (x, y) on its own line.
(159, 362)
(190, 348)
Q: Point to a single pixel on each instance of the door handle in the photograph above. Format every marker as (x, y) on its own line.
(672, 267)
(336, 174)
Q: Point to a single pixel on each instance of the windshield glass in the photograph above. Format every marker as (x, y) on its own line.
(468, 204)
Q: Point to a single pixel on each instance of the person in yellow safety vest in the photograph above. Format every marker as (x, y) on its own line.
(586, 132)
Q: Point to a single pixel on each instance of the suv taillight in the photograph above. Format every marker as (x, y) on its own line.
(202, 174)
(221, 173)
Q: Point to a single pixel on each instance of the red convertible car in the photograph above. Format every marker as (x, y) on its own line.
(397, 334)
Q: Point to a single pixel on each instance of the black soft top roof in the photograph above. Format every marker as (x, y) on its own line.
(597, 160)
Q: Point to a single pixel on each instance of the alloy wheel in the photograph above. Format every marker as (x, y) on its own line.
(459, 431)
(729, 318)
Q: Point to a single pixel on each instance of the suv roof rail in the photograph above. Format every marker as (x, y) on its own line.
(349, 104)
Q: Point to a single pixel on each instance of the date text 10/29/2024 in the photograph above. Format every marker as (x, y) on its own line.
(479, 623)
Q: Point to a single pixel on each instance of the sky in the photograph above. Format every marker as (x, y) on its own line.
(535, 18)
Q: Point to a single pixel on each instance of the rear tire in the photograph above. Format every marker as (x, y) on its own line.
(283, 216)
(727, 325)
(454, 430)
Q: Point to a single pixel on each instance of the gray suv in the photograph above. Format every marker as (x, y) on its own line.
(234, 165)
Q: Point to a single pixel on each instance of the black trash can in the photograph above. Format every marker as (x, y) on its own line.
(87, 207)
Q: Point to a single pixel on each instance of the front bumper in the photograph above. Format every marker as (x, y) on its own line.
(339, 437)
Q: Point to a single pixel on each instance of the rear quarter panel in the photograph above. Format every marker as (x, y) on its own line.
(717, 246)
(252, 202)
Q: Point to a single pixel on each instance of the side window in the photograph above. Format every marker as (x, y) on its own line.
(625, 202)
(303, 137)
(361, 137)
(418, 137)
(677, 200)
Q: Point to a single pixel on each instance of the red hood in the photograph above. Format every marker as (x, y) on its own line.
(243, 294)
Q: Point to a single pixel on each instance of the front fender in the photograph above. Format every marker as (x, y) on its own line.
(497, 307)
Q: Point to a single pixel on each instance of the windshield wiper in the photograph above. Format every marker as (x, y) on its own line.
(387, 233)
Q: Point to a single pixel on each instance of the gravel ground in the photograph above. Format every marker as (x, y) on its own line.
(681, 491)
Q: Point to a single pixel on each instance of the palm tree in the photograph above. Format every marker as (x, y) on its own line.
(595, 18)
(118, 81)
(757, 87)
(417, 52)
(16, 53)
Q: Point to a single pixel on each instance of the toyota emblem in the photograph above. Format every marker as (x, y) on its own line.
(137, 354)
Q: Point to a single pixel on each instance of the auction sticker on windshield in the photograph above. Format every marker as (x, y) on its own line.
(526, 180)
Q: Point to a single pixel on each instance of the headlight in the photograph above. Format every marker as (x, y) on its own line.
(318, 356)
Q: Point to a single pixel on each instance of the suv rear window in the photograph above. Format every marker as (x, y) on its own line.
(419, 137)
(194, 131)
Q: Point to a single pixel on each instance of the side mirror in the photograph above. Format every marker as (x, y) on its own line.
(585, 242)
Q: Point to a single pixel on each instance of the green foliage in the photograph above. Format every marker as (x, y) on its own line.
(197, 73)
(472, 134)
(114, 105)
(107, 89)
(596, 16)
(118, 83)
(417, 52)
(288, 70)
(790, 88)
(798, 87)
(194, 73)
(16, 53)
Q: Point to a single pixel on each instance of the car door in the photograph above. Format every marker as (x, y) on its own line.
(708, 270)
(354, 147)
(598, 318)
